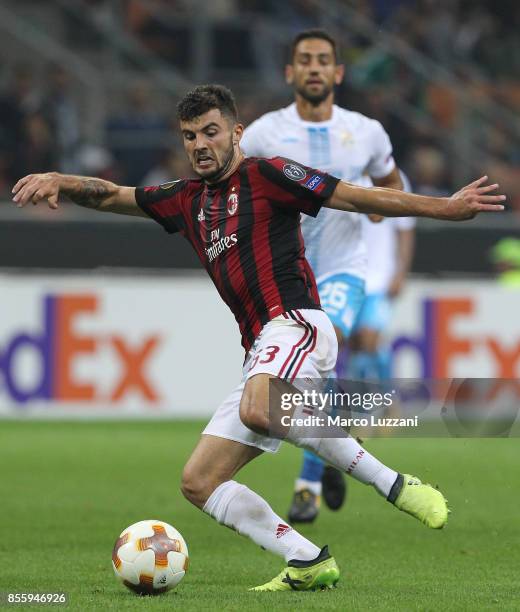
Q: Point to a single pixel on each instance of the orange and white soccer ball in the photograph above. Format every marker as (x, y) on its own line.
(150, 557)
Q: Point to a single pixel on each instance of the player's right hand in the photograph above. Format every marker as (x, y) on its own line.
(37, 188)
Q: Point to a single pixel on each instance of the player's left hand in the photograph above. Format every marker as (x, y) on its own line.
(472, 200)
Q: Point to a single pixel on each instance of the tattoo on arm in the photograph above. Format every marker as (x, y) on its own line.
(89, 192)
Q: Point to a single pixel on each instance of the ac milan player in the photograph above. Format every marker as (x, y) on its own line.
(242, 218)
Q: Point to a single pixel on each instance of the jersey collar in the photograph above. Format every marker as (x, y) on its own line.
(292, 112)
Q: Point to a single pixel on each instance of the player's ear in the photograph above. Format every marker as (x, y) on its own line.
(238, 131)
(289, 74)
(339, 74)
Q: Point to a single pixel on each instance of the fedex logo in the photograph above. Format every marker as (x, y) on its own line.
(438, 344)
(57, 344)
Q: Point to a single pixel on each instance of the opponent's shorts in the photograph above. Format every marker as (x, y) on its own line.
(375, 312)
(341, 297)
(297, 345)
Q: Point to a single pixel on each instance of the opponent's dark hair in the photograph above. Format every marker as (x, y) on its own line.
(205, 98)
(314, 33)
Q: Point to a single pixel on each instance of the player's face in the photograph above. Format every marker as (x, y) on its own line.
(211, 143)
(314, 71)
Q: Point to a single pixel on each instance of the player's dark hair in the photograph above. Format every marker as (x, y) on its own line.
(205, 98)
(314, 33)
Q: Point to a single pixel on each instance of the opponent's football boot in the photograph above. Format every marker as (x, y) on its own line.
(304, 507)
(334, 487)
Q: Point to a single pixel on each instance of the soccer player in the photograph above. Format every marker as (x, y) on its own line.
(316, 132)
(390, 247)
(242, 217)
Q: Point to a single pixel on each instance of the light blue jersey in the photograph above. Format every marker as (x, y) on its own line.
(349, 146)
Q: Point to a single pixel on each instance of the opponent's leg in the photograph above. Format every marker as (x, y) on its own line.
(365, 362)
(305, 503)
(369, 360)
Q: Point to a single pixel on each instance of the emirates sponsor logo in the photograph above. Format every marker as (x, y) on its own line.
(218, 244)
(282, 529)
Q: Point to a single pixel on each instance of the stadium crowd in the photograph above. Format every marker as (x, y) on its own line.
(40, 113)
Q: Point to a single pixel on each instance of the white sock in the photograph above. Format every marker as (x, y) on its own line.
(234, 505)
(348, 455)
(313, 485)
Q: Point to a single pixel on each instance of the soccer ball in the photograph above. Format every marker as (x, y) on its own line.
(150, 557)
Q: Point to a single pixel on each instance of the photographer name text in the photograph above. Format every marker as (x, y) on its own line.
(339, 421)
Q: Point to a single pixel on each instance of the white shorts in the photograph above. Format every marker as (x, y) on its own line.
(295, 345)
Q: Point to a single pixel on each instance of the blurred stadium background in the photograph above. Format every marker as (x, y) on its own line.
(105, 313)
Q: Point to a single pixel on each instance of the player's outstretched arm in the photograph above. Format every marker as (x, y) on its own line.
(82, 190)
(465, 204)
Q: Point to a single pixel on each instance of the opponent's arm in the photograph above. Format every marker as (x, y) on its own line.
(464, 204)
(391, 181)
(85, 191)
(405, 251)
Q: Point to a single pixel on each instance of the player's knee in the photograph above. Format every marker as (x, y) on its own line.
(253, 413)
(195, 487)
(189, 485)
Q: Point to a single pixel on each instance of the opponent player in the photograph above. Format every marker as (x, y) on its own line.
(242, 218)
(390, 247)
(316, 132)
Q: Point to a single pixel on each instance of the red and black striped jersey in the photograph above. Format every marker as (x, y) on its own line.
(246, 232)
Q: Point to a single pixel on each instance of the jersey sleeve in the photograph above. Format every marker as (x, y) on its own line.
(381, 162)
(294, 186)
(163, 203)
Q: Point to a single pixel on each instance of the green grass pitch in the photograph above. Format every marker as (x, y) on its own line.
(68, 489)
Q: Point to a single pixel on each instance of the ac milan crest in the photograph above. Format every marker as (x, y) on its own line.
(232, 202)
